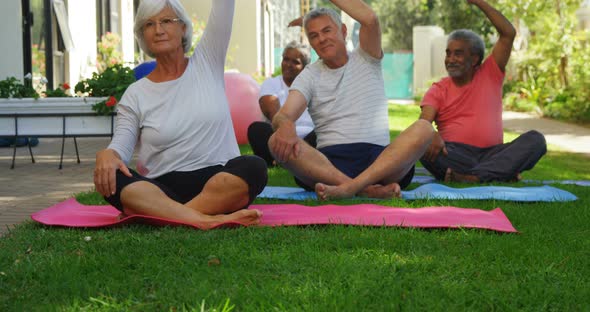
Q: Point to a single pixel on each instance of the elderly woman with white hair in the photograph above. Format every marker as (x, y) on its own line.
(189, 165)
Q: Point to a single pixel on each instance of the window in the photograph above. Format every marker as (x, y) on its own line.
(107, 17)
(43, 41)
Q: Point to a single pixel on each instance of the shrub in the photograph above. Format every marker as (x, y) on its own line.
(14, 88)
(63, 90)
(112, 83)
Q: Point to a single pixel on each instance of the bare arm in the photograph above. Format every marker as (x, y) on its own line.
(294, 107)
(215, 40)
(108, 162)
(284, 143)
(438, 144)
(296, 22)
(120, 150)
(502, 48)
(269, 105)
(428, 113)
(370, 31)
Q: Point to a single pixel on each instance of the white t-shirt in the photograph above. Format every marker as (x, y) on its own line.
(276, 86)
(347, 104)
(182, 124)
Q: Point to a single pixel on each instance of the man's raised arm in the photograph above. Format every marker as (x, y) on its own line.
(502, 48)
(370, 31)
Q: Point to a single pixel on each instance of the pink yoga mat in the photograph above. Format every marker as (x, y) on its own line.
(70, 213)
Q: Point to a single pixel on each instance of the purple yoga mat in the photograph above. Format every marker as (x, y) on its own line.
(70, 213)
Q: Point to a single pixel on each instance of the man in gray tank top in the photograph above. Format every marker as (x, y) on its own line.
(344, 94)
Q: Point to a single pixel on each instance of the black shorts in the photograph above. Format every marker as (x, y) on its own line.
(183, 186)
(352, 159)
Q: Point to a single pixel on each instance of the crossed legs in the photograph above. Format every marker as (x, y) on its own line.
(503, 162)
(205, 197)
(380, 179)
(220, 201)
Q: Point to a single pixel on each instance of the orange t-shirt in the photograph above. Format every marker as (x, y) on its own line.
(471, 114)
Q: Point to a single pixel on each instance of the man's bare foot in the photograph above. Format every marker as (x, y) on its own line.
(325, 192)
(391, 190)
(452, 176)
(244, 217)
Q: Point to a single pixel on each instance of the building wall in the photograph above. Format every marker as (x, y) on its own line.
(243, 53)
(284, 11)
(127, 37)
(82, 20)
(265, 39)
(247, 50)
(439, 45)
(583, 15)
(11, 62)
(82, 59)
(429, 43)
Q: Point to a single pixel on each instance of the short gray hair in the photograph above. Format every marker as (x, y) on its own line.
(150, 8)
(302, 48)
(315, 13)
(476, 44)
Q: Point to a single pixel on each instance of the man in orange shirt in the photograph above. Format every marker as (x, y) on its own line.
(467, 109)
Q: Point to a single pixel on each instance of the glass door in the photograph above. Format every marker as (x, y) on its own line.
(44, 47)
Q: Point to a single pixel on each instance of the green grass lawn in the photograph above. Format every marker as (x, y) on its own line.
(314, 268)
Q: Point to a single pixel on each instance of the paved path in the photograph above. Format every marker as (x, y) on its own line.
(31, 187)
(568, 137)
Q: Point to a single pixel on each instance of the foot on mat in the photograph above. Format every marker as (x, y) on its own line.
(452, 176)
(325, 192)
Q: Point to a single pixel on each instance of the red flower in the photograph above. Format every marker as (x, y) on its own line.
(112, 101)
(66, 86)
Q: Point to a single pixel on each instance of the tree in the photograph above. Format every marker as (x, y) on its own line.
(551, 71)
(458, 14)
(329, 4)
(398, 17)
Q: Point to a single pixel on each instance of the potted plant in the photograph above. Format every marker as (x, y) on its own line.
(111, 83)
(57, 113)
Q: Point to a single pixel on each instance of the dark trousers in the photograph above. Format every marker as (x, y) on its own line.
(496, 163)
(259, 133)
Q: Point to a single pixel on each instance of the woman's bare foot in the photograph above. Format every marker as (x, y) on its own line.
(452, 176)
(244, 217)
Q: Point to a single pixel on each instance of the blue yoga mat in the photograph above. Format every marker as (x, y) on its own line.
(543, 193)
(423, 179)
(566, 182)
(438, 191)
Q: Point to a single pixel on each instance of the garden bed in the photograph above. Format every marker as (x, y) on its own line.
(52, 117)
